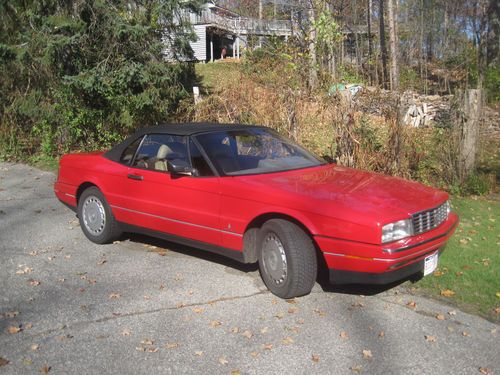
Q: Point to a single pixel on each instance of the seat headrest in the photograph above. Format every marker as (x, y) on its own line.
(163, 152)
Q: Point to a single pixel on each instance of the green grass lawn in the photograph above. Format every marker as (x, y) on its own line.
(470, 265)
(215, 76)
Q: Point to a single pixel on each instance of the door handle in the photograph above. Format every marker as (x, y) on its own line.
(135, 177)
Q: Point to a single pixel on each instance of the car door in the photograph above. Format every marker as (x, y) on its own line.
(185, 206)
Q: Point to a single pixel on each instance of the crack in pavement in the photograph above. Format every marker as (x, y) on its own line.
(24, 199)
(77, 325)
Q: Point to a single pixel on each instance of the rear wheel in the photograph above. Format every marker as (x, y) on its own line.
(287, 259)
(96, 219)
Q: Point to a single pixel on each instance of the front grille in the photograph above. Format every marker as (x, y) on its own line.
(430, 219)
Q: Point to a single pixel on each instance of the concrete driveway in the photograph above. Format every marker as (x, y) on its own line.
(69, 306)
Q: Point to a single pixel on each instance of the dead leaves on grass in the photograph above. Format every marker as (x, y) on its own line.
(447, 293)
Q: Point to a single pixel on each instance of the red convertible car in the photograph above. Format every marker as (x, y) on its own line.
(250, 194)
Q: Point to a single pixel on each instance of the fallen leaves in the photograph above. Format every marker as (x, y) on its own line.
(35, 347)
(14, 329)
(223, 361)
(465, 334)
(320, 312)
(215, 323)
(45, 370)
(126, 332)
(279, 315)
(24, 270)
(496, 310)
(114, 296)
(367, 354)
(344, 335)
(147, 346)
(264, 330)
(198, 310)
(430, 338)
(33, 282)
(356, 368)
(485, 371)
(248, 334)
(440, 317)
(172, 345)
(447, 293)
(3, 361)
(64, 337)
(497, 294)
(9, 314)
(315, 358)
(381, 334)
(267, 346)
(287, 341)
(199, 353)
(411, 304)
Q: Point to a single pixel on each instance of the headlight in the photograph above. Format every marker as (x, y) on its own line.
(448, 207)
(395, 231)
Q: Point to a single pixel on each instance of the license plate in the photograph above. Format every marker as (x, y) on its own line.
(430, 263)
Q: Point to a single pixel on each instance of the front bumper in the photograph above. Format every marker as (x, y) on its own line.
(353, 277)
(360, 263)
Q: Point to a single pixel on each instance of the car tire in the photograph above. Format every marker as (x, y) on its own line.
(96, 219)
(287, 259)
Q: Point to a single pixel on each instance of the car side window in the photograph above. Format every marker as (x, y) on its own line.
(129, 152)
(157, 149)
(198, 161)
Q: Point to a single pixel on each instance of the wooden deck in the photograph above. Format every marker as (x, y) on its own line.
(241, 25)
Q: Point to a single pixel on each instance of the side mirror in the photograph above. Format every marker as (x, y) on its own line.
(180, 167)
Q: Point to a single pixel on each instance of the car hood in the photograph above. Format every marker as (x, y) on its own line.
(334, 190)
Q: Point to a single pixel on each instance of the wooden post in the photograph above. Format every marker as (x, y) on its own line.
(211, 48)
(238, 47)
(470, 131)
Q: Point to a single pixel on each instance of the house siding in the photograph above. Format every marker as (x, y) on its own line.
(200, 45)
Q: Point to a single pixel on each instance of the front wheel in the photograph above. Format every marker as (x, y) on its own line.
(287, 259)
(96, 219)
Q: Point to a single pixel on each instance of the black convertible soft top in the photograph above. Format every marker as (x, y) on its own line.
(174, 129)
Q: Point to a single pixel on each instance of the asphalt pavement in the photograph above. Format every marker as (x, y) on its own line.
(140, 305)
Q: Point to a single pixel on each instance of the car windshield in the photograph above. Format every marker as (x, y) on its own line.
(253, 151)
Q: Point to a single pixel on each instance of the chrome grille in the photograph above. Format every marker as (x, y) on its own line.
(430, 219)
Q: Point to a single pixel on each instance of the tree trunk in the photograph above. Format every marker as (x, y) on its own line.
(383, 46)
(370, 49)
(313, 61)
(394, 46)
(470, 131)
(260, 18)
(369, 23)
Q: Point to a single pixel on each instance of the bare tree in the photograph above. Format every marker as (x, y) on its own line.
(313, 73)
(394, 41)
(383, 46)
